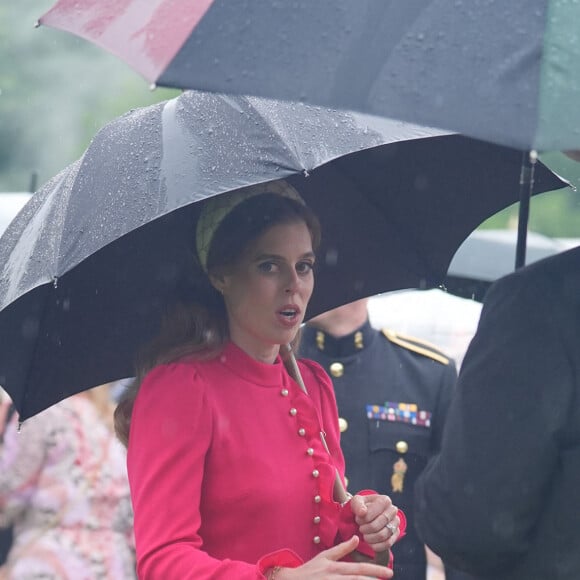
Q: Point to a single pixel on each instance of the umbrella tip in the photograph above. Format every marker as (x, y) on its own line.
(152, 86)
(37, 24)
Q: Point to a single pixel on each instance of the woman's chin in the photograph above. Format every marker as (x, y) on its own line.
(286, 336)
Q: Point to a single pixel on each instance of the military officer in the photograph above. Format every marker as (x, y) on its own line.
(392, 392)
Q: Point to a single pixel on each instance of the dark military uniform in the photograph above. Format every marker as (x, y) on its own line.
(392, 393)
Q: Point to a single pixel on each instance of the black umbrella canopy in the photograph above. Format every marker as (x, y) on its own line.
(90, 264)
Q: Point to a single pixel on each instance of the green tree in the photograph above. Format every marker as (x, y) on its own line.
(56, 91)
(554, 213)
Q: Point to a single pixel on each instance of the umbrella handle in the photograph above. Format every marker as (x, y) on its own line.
(340, 494)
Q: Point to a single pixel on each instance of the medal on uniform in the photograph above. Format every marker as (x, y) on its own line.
(398, 477)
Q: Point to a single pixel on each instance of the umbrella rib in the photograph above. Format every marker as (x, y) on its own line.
(22, 412)
(299, 166)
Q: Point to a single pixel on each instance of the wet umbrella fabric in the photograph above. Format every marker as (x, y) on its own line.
(487, 255)
(89, 265)
(502, 71)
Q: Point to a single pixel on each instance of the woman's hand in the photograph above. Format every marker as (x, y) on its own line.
(377, 519)
(328, 565)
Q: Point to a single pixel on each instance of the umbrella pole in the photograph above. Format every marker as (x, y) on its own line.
(529, 159)
(340, 493)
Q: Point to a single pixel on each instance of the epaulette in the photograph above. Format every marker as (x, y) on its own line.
(417, 345)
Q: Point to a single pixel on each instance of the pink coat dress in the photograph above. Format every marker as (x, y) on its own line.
(227, 469)
(64, 488)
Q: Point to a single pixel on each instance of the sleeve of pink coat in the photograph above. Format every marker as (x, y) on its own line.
(171, 431)
(329, 416)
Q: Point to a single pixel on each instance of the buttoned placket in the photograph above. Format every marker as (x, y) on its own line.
(301, 431)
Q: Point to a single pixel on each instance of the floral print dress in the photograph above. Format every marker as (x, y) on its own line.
(63, 486)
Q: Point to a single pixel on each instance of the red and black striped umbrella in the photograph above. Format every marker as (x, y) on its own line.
(504, 71)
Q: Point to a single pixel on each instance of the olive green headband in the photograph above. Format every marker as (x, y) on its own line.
(219, 206)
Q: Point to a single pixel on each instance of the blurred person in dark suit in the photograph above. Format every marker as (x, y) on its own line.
(502, 499)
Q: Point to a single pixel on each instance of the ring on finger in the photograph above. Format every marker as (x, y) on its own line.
(392, 527)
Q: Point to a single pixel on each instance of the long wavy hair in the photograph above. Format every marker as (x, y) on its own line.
(198, 327)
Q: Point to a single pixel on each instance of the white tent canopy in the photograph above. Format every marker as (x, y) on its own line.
(448, 322)
(10, 204)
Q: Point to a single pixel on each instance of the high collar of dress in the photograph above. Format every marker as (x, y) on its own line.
(340, 347)
(250, 369)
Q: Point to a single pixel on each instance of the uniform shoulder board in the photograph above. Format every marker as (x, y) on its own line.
(417, 345)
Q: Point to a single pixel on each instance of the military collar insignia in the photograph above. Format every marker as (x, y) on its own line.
(343, 346)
